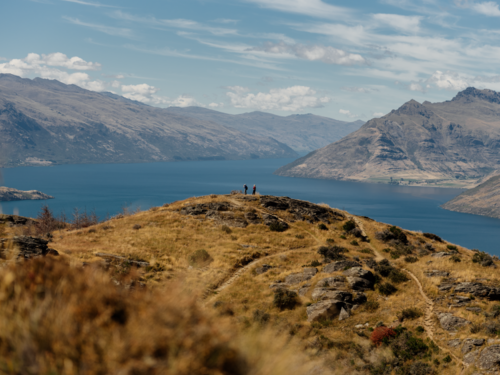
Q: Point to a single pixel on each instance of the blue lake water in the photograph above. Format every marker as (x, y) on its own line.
(109, 187)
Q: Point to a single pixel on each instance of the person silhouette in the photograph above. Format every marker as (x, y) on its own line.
(254, 188)
(246, 188)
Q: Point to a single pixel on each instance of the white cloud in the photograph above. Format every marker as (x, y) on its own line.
(216, 105)
(449, 81)
(185, 101)
(313, 8)
(97, 5)
(347, 113)
(488, 8)
(326, 54)
(403, 23)
(147, 94)
(237, 89)
(42, 66)
(114, 31)
(292, 99)
(416, 87)
(360, 90)
(378, 114)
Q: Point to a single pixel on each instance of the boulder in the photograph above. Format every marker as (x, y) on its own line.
(304, 289)
(490, 358)
(372, 263)
(441, 254)
(226, 218)
(337, 295)
(263, 269)
(470, 357)
(341, 265)
(336, 282)
(28, 247)
(14, 220)
(470, 344)
(296, 278)
(445, 286)
(450, 322)
(454, 343)
(253, 218)
(343, 314)
(478, 290)
(436, 273)
(357, 283)
(361, 273)
(271, 219)
(203, 208)
(474, 309)
(325, 309)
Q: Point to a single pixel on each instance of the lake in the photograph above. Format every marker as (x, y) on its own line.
(108, 188)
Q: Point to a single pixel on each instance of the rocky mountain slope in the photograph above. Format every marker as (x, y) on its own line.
(302, 289)
(45, 122)
(303, 133)
(454, 142)
(482, 200)
(10, 194)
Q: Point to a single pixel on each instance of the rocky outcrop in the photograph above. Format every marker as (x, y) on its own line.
(450, 322)
(274, 220)
(360, 279)
(436, 273)
(253, 218)
(10, 194)
(14, 220)
(301, 210)
(470, 344)
(442, 254)
(263, 269)
(296, 278)
(479, 290)
(204, 208)
(221, 212)
(112, 257)
(27, 247)
(341, 265)
(330, 307)
(490, 358)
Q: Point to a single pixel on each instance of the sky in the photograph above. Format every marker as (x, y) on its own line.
(349, 60)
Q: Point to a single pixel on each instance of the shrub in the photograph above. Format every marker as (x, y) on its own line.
(455, 259)
(420, 329)
(482, 258)
(348, 226)
(366, 251)
(386, 250)
(137, 226)
(387, 289)
(284, 299)
(395, 254)
(277, 227)
(226, 229)
(199, 258)
(371, 305)
(451, 247)
(447, 359)
(406, 346)
(419, 368)
(313, 263)
(397, 276)
(381, 334)
(261, 317)
(492, 328)
(299, 236)
(399, 234)
(330, 241)
(410, 313)
(433, 237)
(410, 259)
(475, 328)
(384, 268)
(332, 252)
(322, 226)
(343, 237)
(354, 243)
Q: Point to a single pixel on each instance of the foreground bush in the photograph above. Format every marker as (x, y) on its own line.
(59, 319)
(382, 334)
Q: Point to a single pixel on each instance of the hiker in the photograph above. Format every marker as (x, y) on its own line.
(246, 188)
(254, 188)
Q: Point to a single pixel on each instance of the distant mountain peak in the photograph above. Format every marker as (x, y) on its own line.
(471, 93)
(412, 108)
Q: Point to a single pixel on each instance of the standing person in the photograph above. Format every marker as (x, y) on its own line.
(254, 188)
(246, 188)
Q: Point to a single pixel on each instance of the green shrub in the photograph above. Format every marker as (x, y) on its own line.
(397, 276)
(420, 329)
(455, 259)
(354, 243)
(330, 241)
(410, 313)
(433, 237)
(343, 237)
(407, 347)
(285, 299)
(277, 227)
(384, 268)
(475, 328)
(348, 226)
(410, 259)
(395, 254)
(332, 252)
(451, 247)
(447, 359)
(199, 258)
(322, 226)
(371, 305)
(366, 251)
(226, 229)
(386, 250)
(387, 289)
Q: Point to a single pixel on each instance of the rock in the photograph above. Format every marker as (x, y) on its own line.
(356, 232)
(441, 254)
(470, 344)
(263, 269)
(341, 265)
(360, 272)
(461, 300)
(359, 326)
(454, 343)
(360, 299)
(253, 218)
(226, 218)
(325, 309)
(137, 226)
(343, 314)
(332, 282)
(357, 283)
(490, 358)
(445, 286)
(493, 341)
(14, 220)
(296, 278)
(203, 208)
(436, 273)
(301, 209)
(271, 219)
(471, 357)
(304, 289)
(450, 322)
(337, 295)
(372, 263)
(474, 309)
(479, 290)
(28, 247)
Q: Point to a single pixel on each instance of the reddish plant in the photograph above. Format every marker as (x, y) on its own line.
(380, 333)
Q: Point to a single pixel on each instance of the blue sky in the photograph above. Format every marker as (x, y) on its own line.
(343, 59)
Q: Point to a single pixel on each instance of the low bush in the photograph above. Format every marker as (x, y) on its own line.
(387, 289)
(384, 268)
(410, 313)
(420, 329)
(381, 335)
(397, 276)
(492, 328)
(482, 258)
(354, 243)
(330, 241)
(371, 306)
(285, 299)
(299, 236)
(343, 237)
(447, 359)
(395, 254)
(407, 347)
(332, 252)
(410, 259)
(277, 227)
(199, 258)
(451, 247)
(226, 229)
(419, 368)
(433, 237)
(322, 226)
(366, 251)
(386, 250)
(475, 328)
(455, 259)
(261, 317)
(349, 225)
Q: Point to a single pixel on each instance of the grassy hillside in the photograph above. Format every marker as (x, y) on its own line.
(244, 277)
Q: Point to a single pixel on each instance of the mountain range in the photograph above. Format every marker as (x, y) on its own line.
(45, 122)
(303, 133)
(450, 143)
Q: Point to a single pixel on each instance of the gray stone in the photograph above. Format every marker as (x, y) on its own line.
(360, 272)
(343, 314)
(332, 282)
(253, 218)
(27, 247)
(441, 255)
(357, 283)
(296, 278)
(474, 309)
(454, 343)
(451, 322)
(490, 358)
(271, 219)
(305, 288)
(436, 273)
(470, 344)
(341, 265)
(479, 290)
(325, 309)
(470, 357)
(263, 269)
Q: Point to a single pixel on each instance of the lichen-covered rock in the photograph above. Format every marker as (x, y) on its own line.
(203, 208)
(253, 218)
(341, 265)
(469, 358)
(296, 278)
(325, 309)
(479, 290)
(451, 322)
(490, 358)
(344, 314)
(470, 344)
(27, 247)
(441, 254)
(263, 269)
(360, 272)
(454, 343)
(357, 283)
(331, 282)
